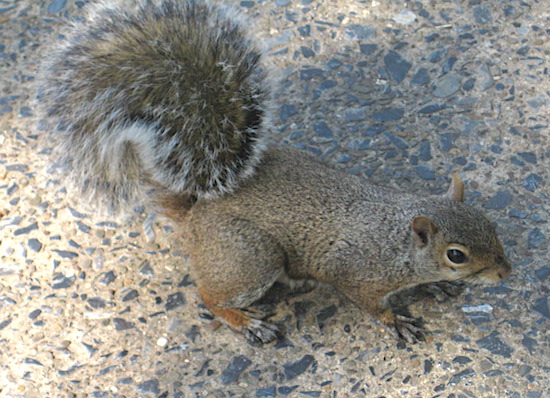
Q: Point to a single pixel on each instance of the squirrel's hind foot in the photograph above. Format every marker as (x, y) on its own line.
(259, 332)
(249, 323)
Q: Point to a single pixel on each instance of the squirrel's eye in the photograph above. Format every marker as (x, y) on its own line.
(455, 256)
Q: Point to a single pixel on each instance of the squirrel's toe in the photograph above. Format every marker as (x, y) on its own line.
(404, 328)
(298, 286)
(259, 332)
(304, 286)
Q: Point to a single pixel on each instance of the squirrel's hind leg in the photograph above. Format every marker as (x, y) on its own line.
(232, 306)
(234, 264)
(246, 321)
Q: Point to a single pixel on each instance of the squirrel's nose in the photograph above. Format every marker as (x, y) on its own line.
(505, 267)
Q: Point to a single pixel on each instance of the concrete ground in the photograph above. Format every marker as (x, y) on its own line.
(401, 92)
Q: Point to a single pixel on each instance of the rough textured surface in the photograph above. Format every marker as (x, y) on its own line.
(403, 93)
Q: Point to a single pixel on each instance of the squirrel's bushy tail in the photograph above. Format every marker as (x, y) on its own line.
(164, 95)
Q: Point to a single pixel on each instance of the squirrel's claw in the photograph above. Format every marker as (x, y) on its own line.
(404, 328)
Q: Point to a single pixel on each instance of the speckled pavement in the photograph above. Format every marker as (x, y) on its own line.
(403, 93)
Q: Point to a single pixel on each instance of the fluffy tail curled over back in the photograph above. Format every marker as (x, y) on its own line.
(163, 95)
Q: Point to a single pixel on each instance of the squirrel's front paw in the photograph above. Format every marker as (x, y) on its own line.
(405, 328)
(444, 289)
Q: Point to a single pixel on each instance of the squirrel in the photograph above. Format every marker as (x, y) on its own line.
(168, 102)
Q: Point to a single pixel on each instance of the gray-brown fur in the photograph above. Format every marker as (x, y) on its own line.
(169, 95)
(165, 94)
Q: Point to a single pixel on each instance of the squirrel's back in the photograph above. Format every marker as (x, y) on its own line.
(167, 95)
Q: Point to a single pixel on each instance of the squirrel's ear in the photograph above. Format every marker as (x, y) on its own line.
(456, 190)
(423, 229)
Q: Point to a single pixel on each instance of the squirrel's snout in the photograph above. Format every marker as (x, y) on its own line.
(500, 269)
(504, 266)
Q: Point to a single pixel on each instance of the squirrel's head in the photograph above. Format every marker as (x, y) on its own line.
(458, 240)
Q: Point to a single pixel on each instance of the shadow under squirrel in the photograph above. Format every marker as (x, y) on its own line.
(166, 102)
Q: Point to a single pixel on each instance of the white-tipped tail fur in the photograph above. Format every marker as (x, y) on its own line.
(166, 96)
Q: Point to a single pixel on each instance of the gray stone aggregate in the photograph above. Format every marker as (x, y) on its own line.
(401, 93)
